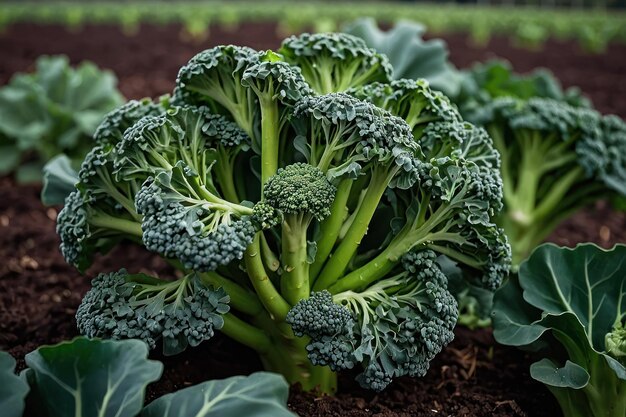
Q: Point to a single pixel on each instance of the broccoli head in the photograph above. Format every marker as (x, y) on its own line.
(322, 198)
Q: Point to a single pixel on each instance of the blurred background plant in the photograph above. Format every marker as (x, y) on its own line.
(56, 109)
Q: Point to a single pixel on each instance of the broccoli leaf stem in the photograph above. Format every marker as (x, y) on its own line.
(271, 299)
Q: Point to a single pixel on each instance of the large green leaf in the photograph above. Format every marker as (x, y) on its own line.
(410, 55)
(586, 281)
(13, 390)
(92, 378)
(261, 394)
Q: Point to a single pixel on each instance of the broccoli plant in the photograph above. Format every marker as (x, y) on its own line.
(568, 305)
(556, 159)
(308, 223)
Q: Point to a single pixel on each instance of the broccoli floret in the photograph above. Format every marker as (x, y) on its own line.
(182, 313)
(615, 342)
(112, 128)
(86, 228)
(393, 328)
(278, 86)
(201, 233)
(334, 62)
(411, 100)
(213, 78)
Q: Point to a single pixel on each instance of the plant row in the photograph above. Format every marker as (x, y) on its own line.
(529, 27)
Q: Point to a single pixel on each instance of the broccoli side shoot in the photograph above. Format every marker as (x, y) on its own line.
(180, 313)
(393, 328)
(333, 62)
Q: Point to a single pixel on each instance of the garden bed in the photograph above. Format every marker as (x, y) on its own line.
(39, 292)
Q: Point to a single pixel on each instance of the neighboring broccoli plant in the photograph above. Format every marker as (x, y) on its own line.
(556, 159)
(291, 213)
(51, 111)
(108, 378)
(569, 306)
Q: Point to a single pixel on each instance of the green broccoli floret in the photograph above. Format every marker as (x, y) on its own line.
(203, 232)
(412, 100)
(213, 78)
(86, 228)
(112, 128)
(277, 86)
(182, 313)
(333, 62)
(393, 328)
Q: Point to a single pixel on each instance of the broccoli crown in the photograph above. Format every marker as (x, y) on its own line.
(200, 234)
(265, 216)
(276, 80)
(300, 188)
(393, 328)
(335, 62)
(123, 306)
(112, 128)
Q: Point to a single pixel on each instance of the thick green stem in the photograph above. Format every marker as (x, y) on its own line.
(288, 356)
(246, 334)
(240, 298)
(295, 278)
(270, 138)
(331, 226)
(338, 262)
(273, 302)
(105, 221)
(270, 260)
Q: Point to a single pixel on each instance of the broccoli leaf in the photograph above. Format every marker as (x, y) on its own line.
(92, 377)
(261, 394)
(13, 390)
(59, 180)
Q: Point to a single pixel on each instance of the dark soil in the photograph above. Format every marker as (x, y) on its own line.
(39, 292)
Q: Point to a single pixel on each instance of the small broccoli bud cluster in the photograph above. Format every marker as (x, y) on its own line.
(265, 216)
(226, 132)
(300, 188)
(399, 336)
(112, 128)
(412, 100)
(615, 342)
(319, 316)
(73, 228)
(181, 313)
(95, 160)
(176, 231)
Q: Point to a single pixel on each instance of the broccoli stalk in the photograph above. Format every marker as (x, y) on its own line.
(321, 221)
